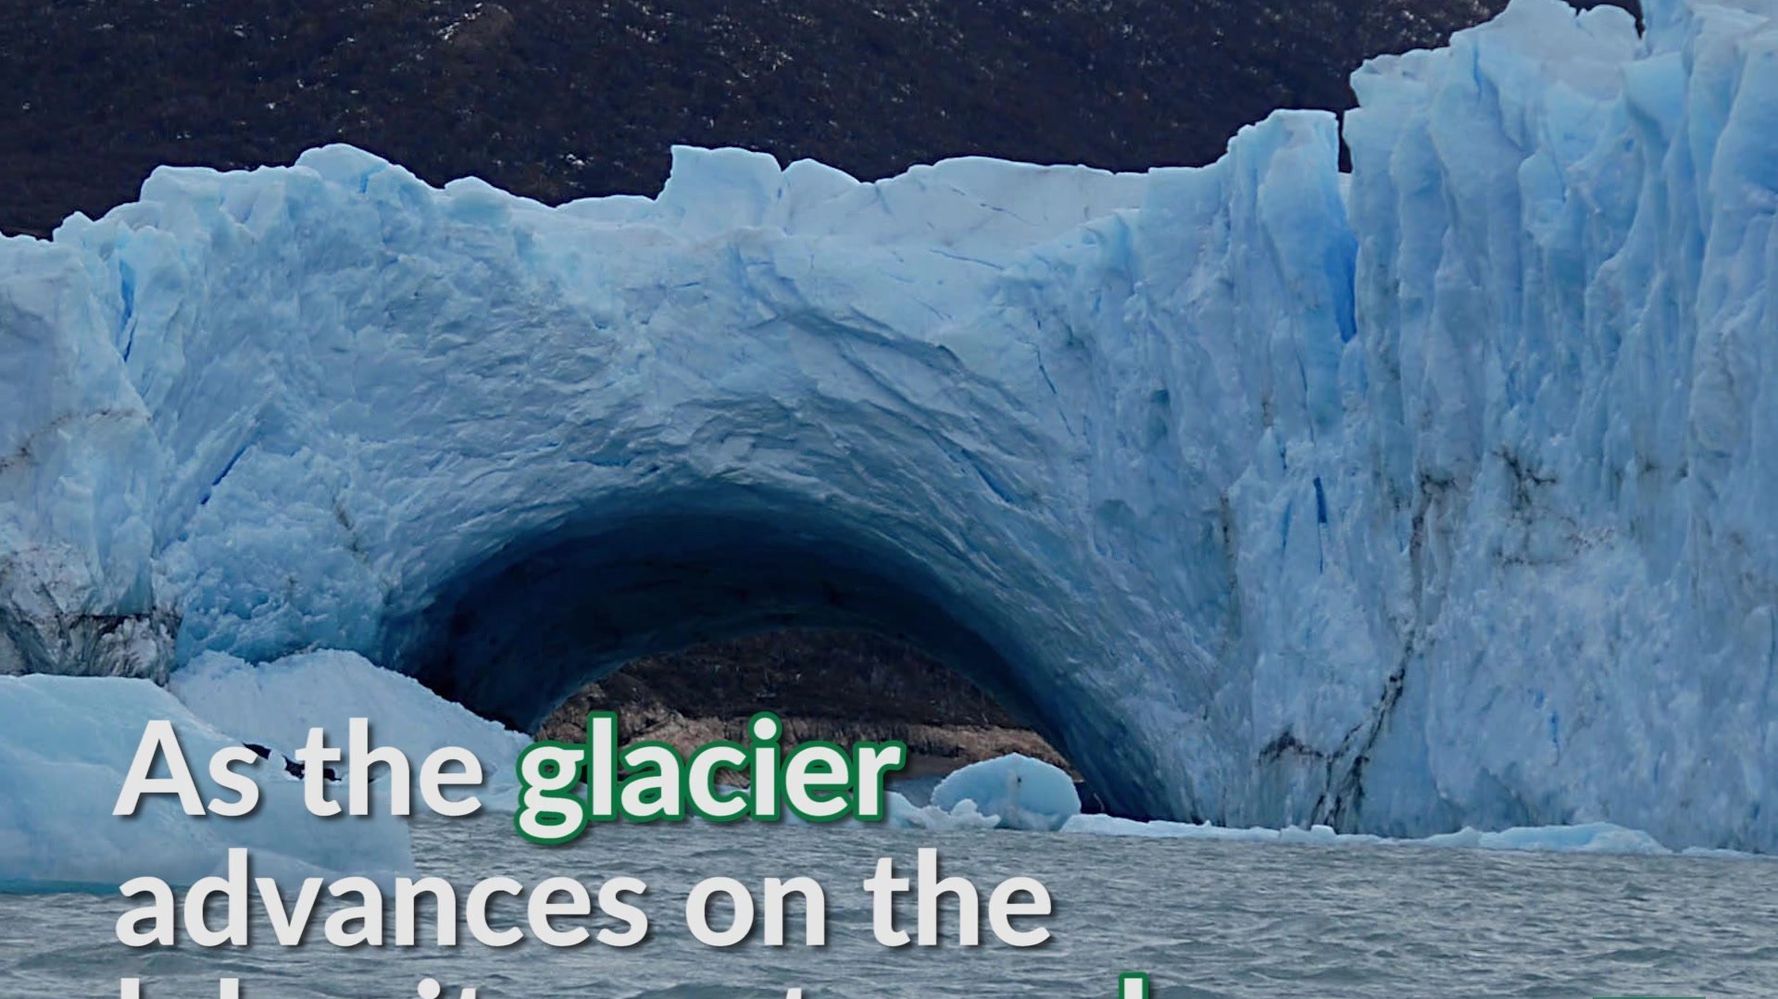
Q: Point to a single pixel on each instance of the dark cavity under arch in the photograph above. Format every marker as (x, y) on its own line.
(515, 636)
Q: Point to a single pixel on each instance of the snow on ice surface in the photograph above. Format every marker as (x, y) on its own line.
(66, 744)
(1434, 497)
(1021, 792)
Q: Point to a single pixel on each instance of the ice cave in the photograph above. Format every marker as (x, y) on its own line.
(1259, 489)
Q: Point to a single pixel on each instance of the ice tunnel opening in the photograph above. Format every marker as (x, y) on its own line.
(522, 634)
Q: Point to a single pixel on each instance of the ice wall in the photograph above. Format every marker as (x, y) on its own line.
(1428, 497)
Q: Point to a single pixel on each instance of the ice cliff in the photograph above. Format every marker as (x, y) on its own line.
(1436, 495)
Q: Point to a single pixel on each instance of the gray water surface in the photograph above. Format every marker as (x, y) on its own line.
(1204, 919)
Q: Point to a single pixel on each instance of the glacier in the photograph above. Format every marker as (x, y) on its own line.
(1425, 497)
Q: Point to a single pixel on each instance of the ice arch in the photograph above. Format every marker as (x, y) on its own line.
(383, 423)
(1432, 495)
(499, 445)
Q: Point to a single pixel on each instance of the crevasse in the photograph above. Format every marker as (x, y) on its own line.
(1431, 496)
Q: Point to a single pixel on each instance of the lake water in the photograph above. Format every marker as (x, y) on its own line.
(1203, 918)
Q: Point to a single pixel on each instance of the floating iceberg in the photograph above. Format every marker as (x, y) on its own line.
(1022, 793)
(1433, 496)
(66, 744)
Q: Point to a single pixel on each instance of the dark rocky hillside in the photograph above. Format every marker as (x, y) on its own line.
(565, 98)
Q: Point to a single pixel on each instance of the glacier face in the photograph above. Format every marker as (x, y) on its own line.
(1426, 497)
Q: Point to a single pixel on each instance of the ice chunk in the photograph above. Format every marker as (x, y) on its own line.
(904, 814)
(275, 704)
(1021, 792)
(66, 744)
(1592, 837)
